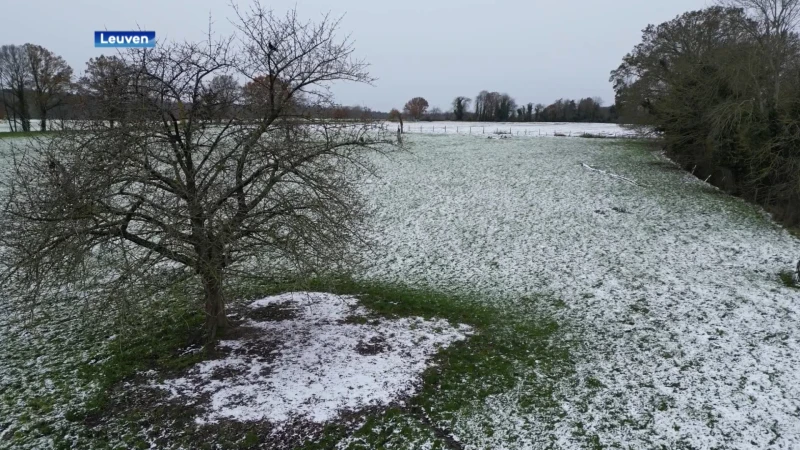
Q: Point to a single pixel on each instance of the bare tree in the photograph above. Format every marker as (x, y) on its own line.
(50, 76)
(167, 194)
(416, 108)
(771, 23)
(15, 78)
(434, 113)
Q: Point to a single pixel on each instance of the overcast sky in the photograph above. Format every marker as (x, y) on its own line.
(535, 50)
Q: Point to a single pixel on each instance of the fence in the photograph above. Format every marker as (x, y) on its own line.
(483, 130)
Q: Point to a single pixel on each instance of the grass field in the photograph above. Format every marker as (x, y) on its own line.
(24, 134)
(616, 302)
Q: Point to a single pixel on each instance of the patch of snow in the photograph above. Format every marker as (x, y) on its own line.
(316, 364)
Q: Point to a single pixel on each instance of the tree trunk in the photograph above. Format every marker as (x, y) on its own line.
(216, 318)
(43, 123)
(24, 115)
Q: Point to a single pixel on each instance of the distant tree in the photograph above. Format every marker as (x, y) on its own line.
(480, 106)
(613, 114)
(537, 112)
(588, 110)
(340, 113)
(105, 86)
(51, 78)
(416, 107)
(15, 84)
(493, 106)
(224, 92)
(396, 116)
(434, 113)
(364, 113)
(263, 92)
(460, 106)
(506, 106)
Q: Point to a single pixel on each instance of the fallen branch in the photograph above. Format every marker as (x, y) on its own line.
(611, 175)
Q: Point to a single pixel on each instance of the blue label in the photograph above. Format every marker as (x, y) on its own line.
(140, 39)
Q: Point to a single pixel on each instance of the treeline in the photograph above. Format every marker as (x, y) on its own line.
(723, 87)
(496, 107)
(32, 78)
(36, 84)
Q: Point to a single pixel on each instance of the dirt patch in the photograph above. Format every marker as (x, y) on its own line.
(275, 312)
(264, 349)
(373, 346)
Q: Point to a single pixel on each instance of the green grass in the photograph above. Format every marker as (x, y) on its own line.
(150, 347)
(507, 352)
(788, 279)
(21, 134)
(84, 369)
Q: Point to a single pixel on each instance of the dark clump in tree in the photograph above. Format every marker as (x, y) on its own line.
(193, 182)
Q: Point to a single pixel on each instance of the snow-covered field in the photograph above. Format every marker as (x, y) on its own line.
(535, 129)
(5, 125)
(489, 128)
(689, 338)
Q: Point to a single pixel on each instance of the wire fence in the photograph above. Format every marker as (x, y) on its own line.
(510, 131)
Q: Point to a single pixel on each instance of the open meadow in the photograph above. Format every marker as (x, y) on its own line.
(581, 293)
